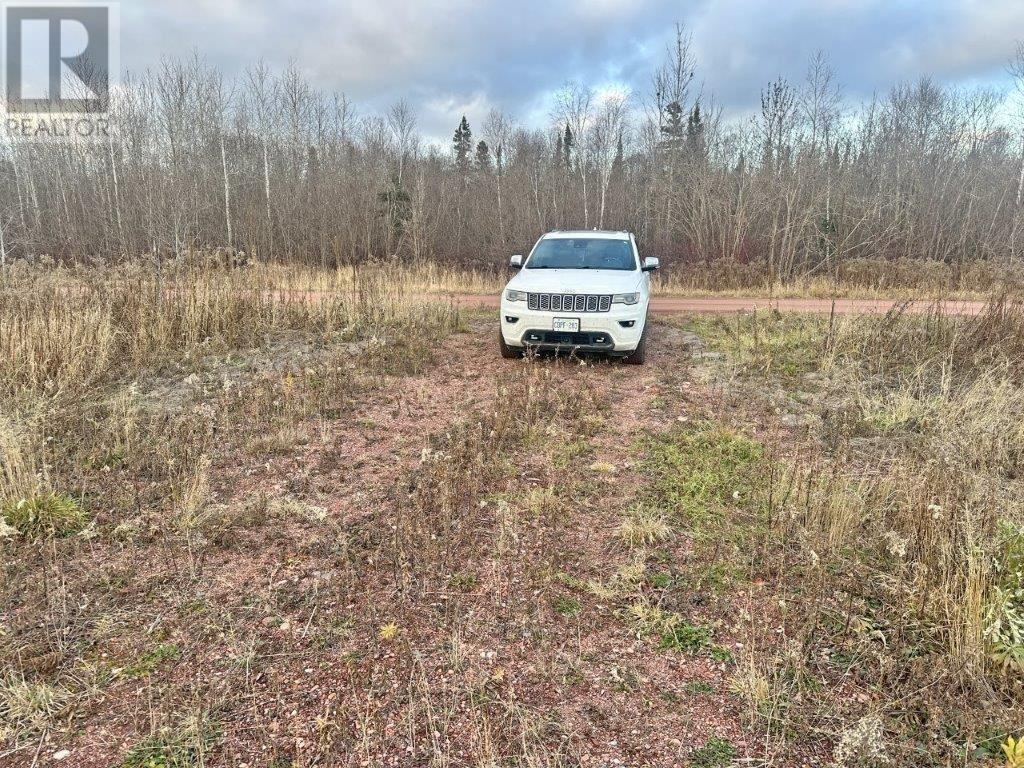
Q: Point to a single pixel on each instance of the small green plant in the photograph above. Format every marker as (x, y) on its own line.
(696, 470)
(660, 580)
(684, 636)
(565, 455)
(1014, 751)
(184, 746)
(146, 665)
(1004, 626)
(715, 752)
(671, 629)
(721, 653)
(567, 606)
(49, 514)
(699, 687)
(463, 582)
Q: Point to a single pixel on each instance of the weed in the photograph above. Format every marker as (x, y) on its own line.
(182, 746)
(643, 526)
(671, 629)
(862, 743)
(463, 581)
(27, 708)
(660, 580)
(1014, 752)
(696, 470)
(765, 343)
(699, 687)
(682, 636)
(49, 514)
(151, 660)
(541, 501)
(715, 752)
(567, 606)
(566, 453)
(720, 653)
(1004, 619)
(624, 679)
(388, 633)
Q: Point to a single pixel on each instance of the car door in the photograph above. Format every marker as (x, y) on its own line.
(645, 279)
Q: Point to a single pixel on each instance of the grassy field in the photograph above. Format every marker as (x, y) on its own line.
(854, 278)
(279, 517)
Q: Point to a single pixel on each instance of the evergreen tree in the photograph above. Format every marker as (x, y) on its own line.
(396, 207)
(483, 157)
(695, 142)
(672, 129)
(463, 145)
(568, 143)
(559, 160)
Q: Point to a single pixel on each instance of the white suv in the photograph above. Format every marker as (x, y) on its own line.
(579, 290)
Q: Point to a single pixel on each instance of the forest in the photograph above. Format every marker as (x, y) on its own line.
(269, 165)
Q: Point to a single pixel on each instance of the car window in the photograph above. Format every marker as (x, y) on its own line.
(582, 253)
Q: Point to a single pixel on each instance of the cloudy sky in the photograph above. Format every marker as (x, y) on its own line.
(449, 57)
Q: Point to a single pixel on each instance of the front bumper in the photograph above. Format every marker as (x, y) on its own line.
(600, 331)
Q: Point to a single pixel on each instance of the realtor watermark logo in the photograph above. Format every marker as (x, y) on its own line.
(60, 63)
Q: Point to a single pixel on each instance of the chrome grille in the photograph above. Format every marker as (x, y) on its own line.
(569, 302)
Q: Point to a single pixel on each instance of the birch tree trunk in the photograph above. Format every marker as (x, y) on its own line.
(227, 191)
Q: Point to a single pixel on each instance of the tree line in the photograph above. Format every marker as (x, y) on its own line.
(274, 167)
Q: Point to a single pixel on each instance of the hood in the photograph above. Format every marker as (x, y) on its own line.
(576, 281)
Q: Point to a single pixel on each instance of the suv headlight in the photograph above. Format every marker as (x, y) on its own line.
(512, 295)
(625, 298)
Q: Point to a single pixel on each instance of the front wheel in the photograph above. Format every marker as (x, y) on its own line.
(639, 355)
(507, 352)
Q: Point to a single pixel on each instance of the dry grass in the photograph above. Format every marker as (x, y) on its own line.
(896, 529)
(643, 527)
(63, 332)
(862, 278)
(77, 349)
(131, 450)
(210, 521)
(865, 278)
(855, 278)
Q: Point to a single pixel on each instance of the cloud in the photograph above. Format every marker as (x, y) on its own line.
(449, 56)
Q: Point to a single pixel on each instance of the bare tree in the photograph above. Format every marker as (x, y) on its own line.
(1016, 69)
(605, 137)
(574, 107)
(272, 166)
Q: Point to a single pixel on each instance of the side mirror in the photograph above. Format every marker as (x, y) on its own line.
(516, 262)
(651, 263)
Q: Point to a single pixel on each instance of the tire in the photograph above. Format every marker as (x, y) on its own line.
(639, 355)
(507, 352)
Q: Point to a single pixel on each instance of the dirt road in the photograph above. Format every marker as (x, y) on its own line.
(677, 305)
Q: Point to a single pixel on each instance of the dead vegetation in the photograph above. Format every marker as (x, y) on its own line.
(895, 527)
(249, 524)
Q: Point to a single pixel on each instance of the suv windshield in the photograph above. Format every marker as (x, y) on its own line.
(582, 253)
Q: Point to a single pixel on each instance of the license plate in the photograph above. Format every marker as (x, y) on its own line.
(569, 324)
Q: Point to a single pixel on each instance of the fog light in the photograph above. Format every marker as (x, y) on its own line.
(627, 323)
(510, 319)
